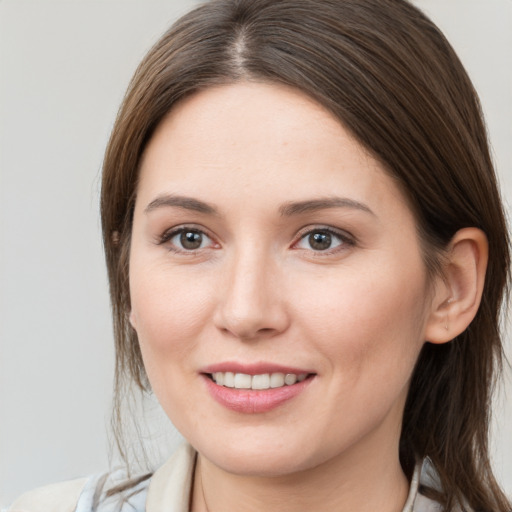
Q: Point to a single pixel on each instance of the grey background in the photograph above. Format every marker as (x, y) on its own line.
(64, 66)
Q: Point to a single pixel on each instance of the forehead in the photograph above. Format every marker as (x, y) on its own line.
(250, 140)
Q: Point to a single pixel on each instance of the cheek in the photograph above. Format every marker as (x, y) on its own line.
(169, 310)
(371, 321)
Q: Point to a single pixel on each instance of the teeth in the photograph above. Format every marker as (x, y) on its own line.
(277, 380)
(229, 380)
(243, 381)
(261, 381)
(290, 378)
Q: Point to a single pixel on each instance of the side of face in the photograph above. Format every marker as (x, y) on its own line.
(265, 238)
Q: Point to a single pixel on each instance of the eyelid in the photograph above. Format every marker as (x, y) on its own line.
(347, 239)
(170, 233)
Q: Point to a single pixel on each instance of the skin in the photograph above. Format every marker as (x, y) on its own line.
(356, 314)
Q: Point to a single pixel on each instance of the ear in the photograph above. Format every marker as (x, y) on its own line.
(458, 291)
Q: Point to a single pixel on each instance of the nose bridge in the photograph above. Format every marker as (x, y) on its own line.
(251, 304)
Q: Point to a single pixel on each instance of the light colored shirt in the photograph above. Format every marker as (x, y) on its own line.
(168, 490)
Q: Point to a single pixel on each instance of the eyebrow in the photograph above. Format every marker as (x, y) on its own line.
(312, 205)
(187, 203)
(286, 210)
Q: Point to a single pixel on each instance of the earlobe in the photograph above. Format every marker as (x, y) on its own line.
(458, 291)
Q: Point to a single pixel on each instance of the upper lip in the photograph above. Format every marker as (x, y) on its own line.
(253, 368)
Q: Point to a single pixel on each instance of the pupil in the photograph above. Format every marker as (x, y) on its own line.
(191, 240)
(320, 241)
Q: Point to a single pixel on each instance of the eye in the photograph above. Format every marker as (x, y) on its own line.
(323, 239)
(186, 239)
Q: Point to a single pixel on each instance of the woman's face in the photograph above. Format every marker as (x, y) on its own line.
(268, 246)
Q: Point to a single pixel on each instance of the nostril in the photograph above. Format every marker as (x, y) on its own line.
(248, 317)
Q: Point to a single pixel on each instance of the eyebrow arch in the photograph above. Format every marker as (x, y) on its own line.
(296, 208)
(187, 203)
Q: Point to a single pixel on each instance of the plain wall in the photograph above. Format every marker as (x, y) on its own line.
(64, 66)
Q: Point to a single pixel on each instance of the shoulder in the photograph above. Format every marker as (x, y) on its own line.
(61, 497)
(87, 494)
(168, 487)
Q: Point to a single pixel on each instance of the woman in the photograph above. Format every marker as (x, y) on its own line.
(307, 257)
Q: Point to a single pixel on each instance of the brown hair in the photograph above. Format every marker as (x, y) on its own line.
(387, 72)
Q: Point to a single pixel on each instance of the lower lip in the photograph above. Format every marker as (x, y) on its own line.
(250, 401)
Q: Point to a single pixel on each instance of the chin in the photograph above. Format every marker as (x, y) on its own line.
(263, 465)
(259, 459)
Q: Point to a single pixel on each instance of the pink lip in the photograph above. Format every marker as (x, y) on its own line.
(253, 368)
(251, 401)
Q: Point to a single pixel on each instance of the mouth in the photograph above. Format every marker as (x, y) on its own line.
(251, 389)
(259, 381)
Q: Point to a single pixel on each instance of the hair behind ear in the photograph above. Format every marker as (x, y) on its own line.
(450, 390)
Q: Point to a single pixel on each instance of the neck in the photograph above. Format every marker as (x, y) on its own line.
(349, 482)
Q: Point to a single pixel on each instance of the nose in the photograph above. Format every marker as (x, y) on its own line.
(251, 304)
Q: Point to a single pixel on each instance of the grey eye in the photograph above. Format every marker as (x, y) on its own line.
(190, 240)
(320, 240)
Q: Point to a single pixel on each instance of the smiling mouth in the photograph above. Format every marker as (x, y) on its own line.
(257, 382)
(254, 392)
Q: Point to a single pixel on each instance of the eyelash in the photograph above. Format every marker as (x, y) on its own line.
(345, 240)
(167, 236)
